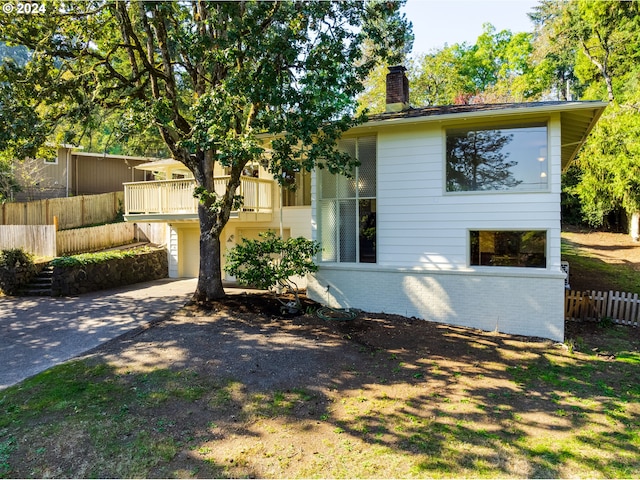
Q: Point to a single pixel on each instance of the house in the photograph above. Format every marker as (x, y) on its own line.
(74, 172)
(167, 211)
(453, 214)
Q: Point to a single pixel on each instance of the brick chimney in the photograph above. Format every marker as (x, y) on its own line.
(397, 90)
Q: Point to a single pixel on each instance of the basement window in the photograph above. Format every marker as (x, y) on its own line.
(497, 248)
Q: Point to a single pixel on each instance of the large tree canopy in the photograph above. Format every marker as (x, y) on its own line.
(214, 78)
(498, 67)
(596, 43)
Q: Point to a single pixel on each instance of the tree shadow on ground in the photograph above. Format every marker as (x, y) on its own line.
(240, 393)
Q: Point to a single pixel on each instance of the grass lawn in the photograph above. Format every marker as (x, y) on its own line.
(596, 264)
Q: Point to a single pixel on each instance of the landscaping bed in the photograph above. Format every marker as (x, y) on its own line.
(91, 272)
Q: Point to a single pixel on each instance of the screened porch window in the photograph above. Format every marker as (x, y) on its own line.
(348, 207)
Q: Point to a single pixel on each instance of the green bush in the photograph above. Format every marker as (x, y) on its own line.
(16, 269)
(98, 257)
(15, 257)
(271, 262)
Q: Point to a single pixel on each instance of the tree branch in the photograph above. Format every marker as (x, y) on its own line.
(169, 80)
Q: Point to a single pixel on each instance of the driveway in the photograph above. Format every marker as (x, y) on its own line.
(37, 333)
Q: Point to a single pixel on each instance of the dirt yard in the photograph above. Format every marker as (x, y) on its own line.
(610, 248)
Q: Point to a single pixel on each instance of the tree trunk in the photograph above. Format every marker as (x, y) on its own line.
(634, 226)
(210, 277)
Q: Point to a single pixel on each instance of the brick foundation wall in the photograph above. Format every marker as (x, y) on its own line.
(515, 304)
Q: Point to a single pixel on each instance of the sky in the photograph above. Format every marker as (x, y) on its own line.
(436, 22)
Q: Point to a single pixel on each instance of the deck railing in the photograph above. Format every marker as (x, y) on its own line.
(168, 197)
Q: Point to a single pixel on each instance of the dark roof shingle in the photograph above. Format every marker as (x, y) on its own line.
(454, 109)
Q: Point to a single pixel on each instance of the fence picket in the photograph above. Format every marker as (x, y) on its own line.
(599, 300)
(72, 212)
(573, 305)
(40, 240)
(620, 307)
(44, 241)
(633, 318)
(95, 238)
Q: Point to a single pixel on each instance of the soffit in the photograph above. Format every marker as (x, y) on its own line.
(576, 125)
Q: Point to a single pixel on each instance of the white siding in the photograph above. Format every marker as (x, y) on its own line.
(421, 226)
(297, 220)
(423, 247)
(172, 251)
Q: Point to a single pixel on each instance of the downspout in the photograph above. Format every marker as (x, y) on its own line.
(77, 176)
(68, 162)
(281, 221)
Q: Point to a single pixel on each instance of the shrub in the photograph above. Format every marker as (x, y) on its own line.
(271, 262)
(16, 269)
(15, 258)
(89, 272)
(98, 257)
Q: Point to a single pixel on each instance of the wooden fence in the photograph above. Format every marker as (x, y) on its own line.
(40, 240)
(72, 212)
(92, 239)
(44, 241)
(619, 307)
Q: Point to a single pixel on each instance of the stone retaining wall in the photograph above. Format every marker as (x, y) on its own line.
(113, 273)
(14, 277)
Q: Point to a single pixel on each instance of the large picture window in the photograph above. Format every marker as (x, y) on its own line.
(509, 248)
(348, 206)
(511, 159)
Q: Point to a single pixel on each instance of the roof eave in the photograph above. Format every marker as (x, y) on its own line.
(570, 157)
(516, 110)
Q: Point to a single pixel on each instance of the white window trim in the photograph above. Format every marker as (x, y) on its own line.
(495, 268)
(498, 126)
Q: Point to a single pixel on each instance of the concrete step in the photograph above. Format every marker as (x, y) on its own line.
(40, 286)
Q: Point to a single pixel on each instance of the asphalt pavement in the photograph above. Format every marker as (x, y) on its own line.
(37, 333)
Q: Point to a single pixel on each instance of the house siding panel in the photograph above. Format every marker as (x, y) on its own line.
(172, 251)
(412, 162)
(458, 298)
(423, 248)
(297, 220)
(94, 175)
